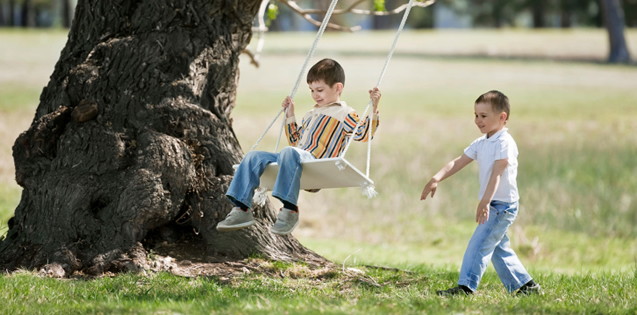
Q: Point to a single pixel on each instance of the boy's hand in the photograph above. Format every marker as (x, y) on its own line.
(429, 188)
(288, 104)
(375, 95)
(482, 213)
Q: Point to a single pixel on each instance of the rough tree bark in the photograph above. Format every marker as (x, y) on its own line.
(614, 21)
(132, 134)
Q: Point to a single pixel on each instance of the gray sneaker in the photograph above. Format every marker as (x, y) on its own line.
(286, 221)
(236, 219)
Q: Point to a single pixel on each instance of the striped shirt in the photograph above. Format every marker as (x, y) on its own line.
(325, 130)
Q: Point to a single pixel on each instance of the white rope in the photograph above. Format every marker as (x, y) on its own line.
(262, 29)
(319, 34)
(382, 74)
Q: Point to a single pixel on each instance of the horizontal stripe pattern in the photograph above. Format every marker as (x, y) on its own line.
(325, 131)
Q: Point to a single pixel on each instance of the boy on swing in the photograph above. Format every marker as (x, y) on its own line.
(323, 133)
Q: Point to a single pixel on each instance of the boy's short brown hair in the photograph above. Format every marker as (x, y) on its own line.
(499, 102)
(327, 70)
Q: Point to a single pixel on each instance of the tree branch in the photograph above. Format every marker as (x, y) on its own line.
(260, 29)
(306, 14)
(253, 57)
(352, 8)
(394, 11)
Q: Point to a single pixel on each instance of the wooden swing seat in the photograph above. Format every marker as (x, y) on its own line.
(320, 174)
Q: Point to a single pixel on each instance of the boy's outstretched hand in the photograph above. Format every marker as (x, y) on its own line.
(375, 95)
(288, 104)
(429, 188)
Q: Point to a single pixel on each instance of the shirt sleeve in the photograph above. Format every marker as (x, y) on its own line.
(293, 131)
(363, 132)
(471, 151)
(505, 150)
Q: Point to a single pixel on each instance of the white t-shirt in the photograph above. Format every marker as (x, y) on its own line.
(486, 151)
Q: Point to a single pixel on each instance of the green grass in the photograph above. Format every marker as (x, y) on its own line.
(303, 291)
(9, 198)
(18, 98)
(444, 245)
(575, 124)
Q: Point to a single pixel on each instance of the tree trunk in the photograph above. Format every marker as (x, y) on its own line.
(2, 19)
(498, 14)
(132, 137)
(537, 9)
(28, 14)
(11, 16)
(614, 21)
(67, 13)
(565, 20)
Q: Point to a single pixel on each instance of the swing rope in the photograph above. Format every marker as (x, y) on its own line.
(319, 34)
(382, 74)
(367, 188)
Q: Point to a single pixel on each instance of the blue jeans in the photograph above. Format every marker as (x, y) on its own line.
(288, 181)
(490, 242)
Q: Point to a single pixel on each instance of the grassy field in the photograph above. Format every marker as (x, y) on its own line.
(301, 290)
(574, 120)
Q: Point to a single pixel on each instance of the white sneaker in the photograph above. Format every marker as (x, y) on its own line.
(286, 221)
(236, 219)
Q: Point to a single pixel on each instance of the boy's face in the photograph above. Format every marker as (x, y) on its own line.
(487, 120)
(324, 94)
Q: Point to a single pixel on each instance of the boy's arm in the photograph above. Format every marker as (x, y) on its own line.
(371, 121)
(288, 104)
(448, 170)
(292, 130)
(364, 130)
(374, 95)
(482, 213)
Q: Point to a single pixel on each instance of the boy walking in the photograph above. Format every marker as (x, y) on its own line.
(323, 133)
(496, 154)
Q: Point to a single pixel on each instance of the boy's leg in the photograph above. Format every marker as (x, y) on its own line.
(483, 243)
(241, 190)
(247, 177)
(287, 186)
(506, 263)
(288, 180)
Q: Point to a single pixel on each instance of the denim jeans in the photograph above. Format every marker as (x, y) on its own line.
(288, 181)
(490, 242)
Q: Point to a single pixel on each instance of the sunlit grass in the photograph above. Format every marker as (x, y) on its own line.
(299, 292)
(18, 98)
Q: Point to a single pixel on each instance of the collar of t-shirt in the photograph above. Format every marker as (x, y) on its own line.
(496, 135)
(330, 104)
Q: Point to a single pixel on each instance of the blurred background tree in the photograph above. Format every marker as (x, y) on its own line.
(481, 13)
(630, 10)
(37, 13)
(614, 22)
(529, 13)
